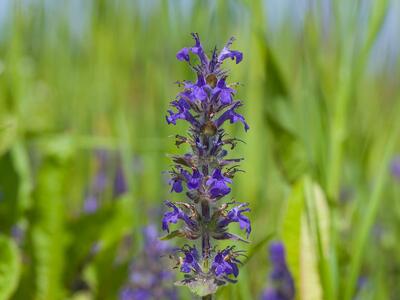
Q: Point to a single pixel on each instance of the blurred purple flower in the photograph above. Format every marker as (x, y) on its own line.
(395, 167)
(18, 234)
(105, 179)
(149, 278)
(281, 284)
(120, 186)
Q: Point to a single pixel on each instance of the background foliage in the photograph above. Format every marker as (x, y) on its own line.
(320, 84)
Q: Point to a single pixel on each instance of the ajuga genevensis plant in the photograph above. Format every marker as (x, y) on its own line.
(206, 173)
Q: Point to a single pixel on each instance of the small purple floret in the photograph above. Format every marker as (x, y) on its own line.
(174, 216)
(236, 215)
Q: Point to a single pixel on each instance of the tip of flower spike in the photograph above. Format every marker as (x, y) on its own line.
(277, 252)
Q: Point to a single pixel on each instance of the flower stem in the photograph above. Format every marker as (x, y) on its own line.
(206, 246)
(208, 297)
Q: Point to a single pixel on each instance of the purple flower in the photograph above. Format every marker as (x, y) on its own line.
(280, 280)
(197, 49)
(193, 181)
(18, 234)
(183, 54)
(227, 53)
(191, 260)
(195, 91)
(183, 112)
(120, 186)
(176, 184)
(174, 216)
(232, 116)
(218, 184)
(395, 167)
(224, 92)
(91, 204)
(225, 263)
(236, 215)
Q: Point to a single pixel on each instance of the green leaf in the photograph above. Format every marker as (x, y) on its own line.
(291, 228)
(48, 233)
(8, 132)
(171, 235)
(9, 267)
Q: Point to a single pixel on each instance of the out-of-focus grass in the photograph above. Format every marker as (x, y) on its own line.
(76, 77)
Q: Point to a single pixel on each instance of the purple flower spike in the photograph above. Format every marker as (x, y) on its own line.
(174, 216)
(205, 174)
(280, 280)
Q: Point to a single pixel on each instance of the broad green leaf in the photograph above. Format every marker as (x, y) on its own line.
(10, 265)
(48, 233)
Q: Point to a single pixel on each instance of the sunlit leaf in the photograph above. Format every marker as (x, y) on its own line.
(9, 267)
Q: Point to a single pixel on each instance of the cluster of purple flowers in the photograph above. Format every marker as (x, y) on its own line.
(149, 278)
(205, 172)
(281, 284)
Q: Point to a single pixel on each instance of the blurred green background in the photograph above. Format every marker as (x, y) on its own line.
(84, 80)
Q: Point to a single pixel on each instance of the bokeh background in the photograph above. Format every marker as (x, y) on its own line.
(84, 89)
